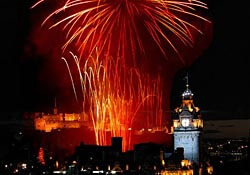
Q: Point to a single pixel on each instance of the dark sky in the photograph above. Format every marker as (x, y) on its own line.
(219, 78)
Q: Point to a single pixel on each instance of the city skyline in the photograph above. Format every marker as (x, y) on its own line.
(125, 86)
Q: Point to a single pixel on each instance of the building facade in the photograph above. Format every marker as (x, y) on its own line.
(187, 124)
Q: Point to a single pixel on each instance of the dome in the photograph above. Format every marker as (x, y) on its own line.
(187, 94)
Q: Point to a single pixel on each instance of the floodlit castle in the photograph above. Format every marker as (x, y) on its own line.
(49, 122)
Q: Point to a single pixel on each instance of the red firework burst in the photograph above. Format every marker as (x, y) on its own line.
(115, 26)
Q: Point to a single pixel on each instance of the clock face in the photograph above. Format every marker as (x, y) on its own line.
(185, 122)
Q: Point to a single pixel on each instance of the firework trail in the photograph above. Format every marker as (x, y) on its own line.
(115, 26)
(114, 95)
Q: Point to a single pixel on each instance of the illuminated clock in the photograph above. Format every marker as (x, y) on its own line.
(185, 122)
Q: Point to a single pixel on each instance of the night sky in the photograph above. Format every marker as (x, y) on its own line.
(219, 78)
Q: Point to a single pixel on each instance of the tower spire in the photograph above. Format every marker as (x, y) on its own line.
(187, 85)
(55, 108)
(187, 94)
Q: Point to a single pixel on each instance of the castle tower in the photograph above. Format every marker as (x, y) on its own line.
(187, 127)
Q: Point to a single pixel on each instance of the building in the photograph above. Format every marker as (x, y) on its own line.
(187, 127)
(94, 157)
(146, 157)
(55, 121)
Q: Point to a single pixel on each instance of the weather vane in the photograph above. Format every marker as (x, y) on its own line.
(187, 80)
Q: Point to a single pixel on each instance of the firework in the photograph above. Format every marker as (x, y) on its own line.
(116, 26)
(113, 95)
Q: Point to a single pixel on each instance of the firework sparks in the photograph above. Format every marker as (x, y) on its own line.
(102, 23)
(113, 96)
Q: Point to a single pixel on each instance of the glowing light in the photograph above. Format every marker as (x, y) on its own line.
(58, 172)
(41, 156)
(163, 162)
(155, 168)
(177, 172)
(57, 164)
(195, 123)
(127, 167)
(102, 23)
(24, 166)
(182, 163)
(185, 122)
(185, 163)
(210, 170)
(176, 123)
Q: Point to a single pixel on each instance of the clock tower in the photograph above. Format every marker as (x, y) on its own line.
(187, 125)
